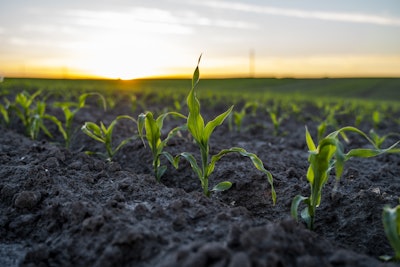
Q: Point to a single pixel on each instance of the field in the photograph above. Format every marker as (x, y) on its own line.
(66, 200)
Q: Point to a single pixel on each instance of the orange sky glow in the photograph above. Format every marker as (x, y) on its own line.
(136, 39)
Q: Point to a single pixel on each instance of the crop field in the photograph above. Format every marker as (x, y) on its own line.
(200, 172)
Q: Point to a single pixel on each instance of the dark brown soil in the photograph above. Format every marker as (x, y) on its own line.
(61, 207)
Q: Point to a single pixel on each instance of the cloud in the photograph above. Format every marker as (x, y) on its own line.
(137, 20)
(305, 14)
(144, 19)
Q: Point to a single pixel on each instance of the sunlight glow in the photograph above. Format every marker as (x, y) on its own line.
(132, 39)
(126, 47)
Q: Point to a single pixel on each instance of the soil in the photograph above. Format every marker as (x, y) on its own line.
(61, 207)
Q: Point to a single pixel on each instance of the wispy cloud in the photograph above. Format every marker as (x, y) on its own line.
(145, 19)
(138, 20)
(306, 14)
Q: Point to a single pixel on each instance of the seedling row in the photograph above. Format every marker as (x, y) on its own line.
(39, 115)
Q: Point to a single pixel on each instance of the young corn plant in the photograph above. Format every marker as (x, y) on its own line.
(379, 139)
(4, 110)
(376, 119)
(70, 109)
(31, 113)
(237, 117)
(323, 158)
(276, 119)
(201, 134)
(330, 120)
(153, 128)
(104, 134)
(391, 225)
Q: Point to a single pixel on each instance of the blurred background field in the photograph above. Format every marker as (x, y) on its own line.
(248, 89)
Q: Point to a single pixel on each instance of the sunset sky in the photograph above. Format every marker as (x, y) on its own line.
(130, 38)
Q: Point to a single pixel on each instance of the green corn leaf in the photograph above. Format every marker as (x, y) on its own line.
(351, 129)
(42, 127)
(171, 159)
(273, 118)
(330, 154)
(141, 123)
(69, 115)
(366, 153)
(153, 135)
(344, 136)
(196, 74)
(160, 120)
(310, 143)
(153, 132)
(211, 125)
(82, 100)
(310, 174)
(394, 150)
(59, 124)
(103, 134)
(295, 206)
(391, 223)
(222, 186)
(93, 131)
(363, 153)
(321, 129)
(319, 167)
(339, 163)
(307, 217)
(174, 132)
(83, 97)
(123, 143)
(192, 161)
(103, 129)
(195, 121)
(160, 172)
(4, 113)
(153, 129)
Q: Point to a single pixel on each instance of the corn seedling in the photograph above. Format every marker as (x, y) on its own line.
(103, 134)
(201, 134)
(153, 128)
(31, 113)
(4, 113)
(70, 109)
(391, 225)
(276, 120)
(237, 117)
(327, 155)
(330, 120)
(376, 119)
(139, 104)
(379, 139)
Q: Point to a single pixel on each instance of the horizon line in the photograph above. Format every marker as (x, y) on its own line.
(205, 77)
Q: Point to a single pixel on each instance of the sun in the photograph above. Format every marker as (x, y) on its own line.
(122, 66)
(119, 55)
(122, 70)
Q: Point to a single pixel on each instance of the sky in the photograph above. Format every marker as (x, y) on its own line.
(129, 39)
